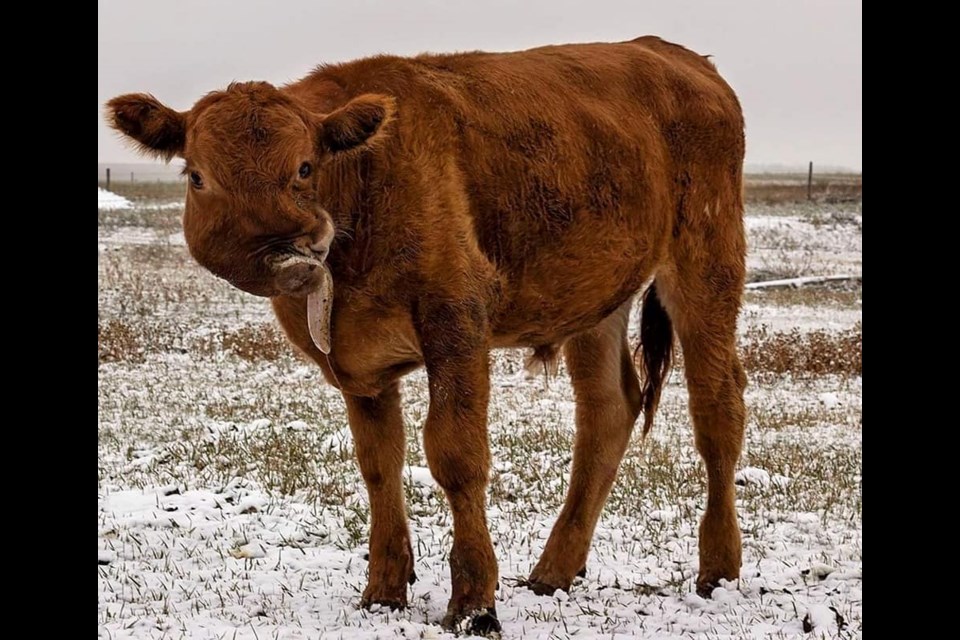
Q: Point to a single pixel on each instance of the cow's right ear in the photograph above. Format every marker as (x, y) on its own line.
(361, 123)
(157, 129)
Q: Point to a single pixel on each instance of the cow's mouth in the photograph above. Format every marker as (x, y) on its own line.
(307, 274)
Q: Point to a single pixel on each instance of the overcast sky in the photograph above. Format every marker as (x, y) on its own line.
(796, 65)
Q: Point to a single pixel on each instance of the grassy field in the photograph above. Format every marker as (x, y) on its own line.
(792, 187)
(230, 506)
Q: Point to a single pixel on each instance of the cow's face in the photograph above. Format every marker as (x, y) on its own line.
(253, 215)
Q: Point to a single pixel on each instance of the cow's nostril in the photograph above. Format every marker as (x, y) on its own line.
(321, 247)
(320, 253)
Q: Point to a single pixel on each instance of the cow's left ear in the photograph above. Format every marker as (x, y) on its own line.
(362, 122)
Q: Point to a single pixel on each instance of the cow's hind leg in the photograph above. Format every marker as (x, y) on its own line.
(702, 295)
(608, 402)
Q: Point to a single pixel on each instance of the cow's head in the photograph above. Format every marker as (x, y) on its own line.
(253, 215)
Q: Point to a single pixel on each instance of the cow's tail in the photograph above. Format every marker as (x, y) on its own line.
(655, 351)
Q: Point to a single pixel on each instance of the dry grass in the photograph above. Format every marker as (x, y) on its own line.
(825, 483)
(809, 353)
(117, 341)
(162, 220)
(801, 354)
(286, 459)
(833, 296)
(147, 191)
(257, 343)
(144, 282)
(130, 340)
(121, 340)
(769, 414)
(831, 188)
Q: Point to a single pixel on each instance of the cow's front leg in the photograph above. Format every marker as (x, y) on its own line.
(377, 427)
(454, 343)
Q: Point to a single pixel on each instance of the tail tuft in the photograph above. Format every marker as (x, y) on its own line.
(656, 349)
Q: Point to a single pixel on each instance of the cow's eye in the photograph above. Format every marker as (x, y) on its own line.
(305, 170)
(196, 180)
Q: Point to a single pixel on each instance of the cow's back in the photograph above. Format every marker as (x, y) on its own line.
(568, 161)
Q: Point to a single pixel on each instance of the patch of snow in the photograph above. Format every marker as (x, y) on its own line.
(752, 475)
(821, 619)
(820, 570)
(760, 477)
(255, 549)
(829, 399)
(799, 282)
(110, 201)
(420, 476)
(339, 440)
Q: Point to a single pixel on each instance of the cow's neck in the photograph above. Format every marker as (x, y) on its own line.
(352, 187)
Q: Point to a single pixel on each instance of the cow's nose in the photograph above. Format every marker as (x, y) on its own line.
(321, 247)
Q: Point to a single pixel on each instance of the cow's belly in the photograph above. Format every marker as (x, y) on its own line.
(554, 295)
(538, 318)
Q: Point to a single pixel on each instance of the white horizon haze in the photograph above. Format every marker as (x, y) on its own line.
(796, 67)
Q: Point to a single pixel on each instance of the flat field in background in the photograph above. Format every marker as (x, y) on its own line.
(146, 182)
(229, 504)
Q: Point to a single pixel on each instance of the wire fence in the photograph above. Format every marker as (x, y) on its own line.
(133, 173)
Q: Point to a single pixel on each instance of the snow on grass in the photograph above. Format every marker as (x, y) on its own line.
(230, 506)
(110, 201)
(823, 241)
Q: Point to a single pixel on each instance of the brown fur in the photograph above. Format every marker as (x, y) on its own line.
(479, 201)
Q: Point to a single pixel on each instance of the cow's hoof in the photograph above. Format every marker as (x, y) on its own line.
(705, 589)
(707, 583)
(547, 577)
(542, 588)
(705, 586)
(382, 602)
(545, 585)
(375, 597)
(482, 622)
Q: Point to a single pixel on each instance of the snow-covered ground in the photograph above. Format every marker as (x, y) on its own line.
(229, 505)
(110, 201)
(803, 244)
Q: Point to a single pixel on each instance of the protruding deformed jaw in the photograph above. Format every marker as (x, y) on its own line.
(253, 215)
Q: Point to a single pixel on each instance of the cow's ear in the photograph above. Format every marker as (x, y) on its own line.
(157, 129)
(362, 122)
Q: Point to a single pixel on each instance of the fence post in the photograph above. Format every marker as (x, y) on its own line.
(810, 181)
(131, 177)
(108, 178)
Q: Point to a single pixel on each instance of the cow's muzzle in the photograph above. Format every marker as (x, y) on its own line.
(306, 274)
(297, 274)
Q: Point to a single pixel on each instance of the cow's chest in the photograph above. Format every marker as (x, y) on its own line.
(372, 347)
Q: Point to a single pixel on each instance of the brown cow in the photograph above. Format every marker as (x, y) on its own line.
(447, 205)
